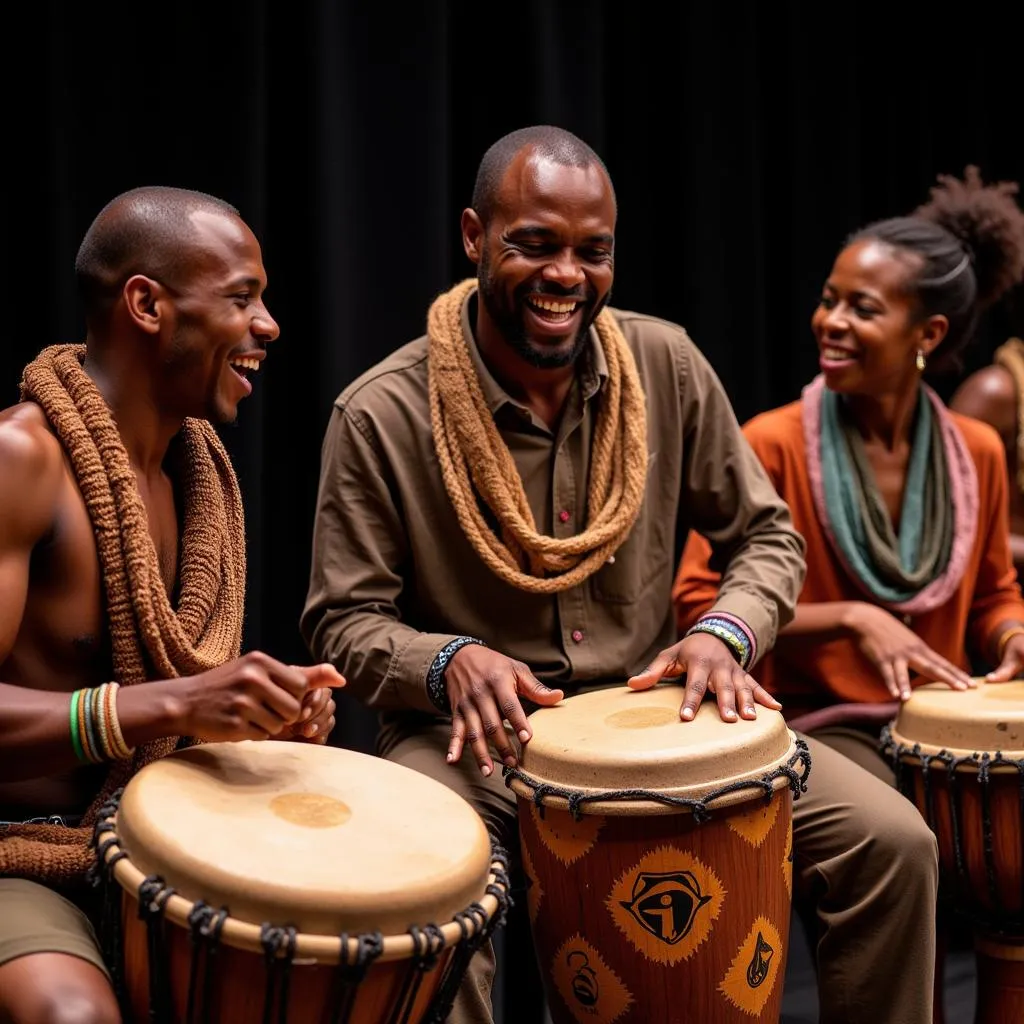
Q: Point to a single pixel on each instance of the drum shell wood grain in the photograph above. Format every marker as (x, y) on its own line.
(240, 986)
(640, 912)
(577, 905)
(959, 758)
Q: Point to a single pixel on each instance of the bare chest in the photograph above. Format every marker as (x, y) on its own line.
(63, 641)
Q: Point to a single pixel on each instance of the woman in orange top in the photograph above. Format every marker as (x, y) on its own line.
(902, 503)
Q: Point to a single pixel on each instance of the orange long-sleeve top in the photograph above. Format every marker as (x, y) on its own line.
(819, 674)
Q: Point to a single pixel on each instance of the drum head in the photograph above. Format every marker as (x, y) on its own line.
(964, 722)
(323, 839)
(618, 738)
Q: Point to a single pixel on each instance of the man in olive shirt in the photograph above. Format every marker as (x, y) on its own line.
(481, 539)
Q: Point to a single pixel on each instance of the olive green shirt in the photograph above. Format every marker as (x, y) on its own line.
(394, 579)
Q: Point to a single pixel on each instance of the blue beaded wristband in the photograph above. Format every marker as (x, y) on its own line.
(436, 690)
(737, 642)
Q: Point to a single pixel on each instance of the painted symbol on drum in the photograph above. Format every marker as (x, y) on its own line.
(567, 839)
(584, 982)
(534, 890)
(751, 978)
(757, 969)
(755, 824)
(667, 904)
(787, 861)
(592, 991)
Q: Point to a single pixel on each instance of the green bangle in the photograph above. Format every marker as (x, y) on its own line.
(76, 741)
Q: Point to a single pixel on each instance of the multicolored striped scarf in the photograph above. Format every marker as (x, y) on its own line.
(923, 567)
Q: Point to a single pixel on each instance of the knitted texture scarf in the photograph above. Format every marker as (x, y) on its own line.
(922, 568)
(149, 638)
(477, 466)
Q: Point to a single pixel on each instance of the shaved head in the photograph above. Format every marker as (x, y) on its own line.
(546, 141)
(146, 231)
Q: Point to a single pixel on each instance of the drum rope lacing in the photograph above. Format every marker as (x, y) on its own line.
(205, 924)
(349, 974)
(994, 920)
(701, 809)
(279, 952)
(279, 943)
(110, 905)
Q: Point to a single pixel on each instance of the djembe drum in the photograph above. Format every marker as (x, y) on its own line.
(659, 858)
(276, 882)
(959, 756)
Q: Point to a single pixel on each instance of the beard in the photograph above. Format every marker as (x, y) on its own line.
(508, 318)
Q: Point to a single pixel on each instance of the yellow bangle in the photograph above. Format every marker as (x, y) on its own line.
(1005, 638)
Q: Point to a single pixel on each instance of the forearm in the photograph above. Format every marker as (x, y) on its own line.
(762, 580)
(820, 622)
(385, 662)
(35, 727)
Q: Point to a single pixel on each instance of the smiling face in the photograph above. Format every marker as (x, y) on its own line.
(866, 323)
(219, 325)
(545, 259)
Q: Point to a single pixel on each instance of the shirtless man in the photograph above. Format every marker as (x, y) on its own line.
(172, 284)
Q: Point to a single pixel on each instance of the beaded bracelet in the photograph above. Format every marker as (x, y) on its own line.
(436, 690)
(733, 632)
(95, 729)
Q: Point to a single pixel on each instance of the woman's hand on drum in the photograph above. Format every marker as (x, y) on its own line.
(709, 665)
(1011, 664)
(484, 688)
(895, 650)
(254, 697)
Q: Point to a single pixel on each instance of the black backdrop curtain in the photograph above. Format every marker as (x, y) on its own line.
(744, 139)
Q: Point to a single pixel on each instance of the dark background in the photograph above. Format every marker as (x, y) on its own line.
(745, 141)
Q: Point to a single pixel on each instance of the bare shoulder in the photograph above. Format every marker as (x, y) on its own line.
(32, 468)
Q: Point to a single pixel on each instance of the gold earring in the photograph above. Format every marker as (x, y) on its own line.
(920, 361)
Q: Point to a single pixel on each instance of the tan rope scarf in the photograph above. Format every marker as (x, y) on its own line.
(149, 639)
(1010, 355)
(476, 461)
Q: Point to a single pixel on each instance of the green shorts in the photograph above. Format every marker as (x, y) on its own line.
(34, 919)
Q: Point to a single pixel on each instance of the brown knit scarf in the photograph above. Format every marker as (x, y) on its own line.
(1010, 355)
(150, 640)
(476, 461)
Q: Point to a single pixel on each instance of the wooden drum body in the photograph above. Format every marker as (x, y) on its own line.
(275, 882)
(959, 757)
(658, 857)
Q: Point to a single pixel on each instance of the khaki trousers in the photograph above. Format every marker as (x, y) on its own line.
(865, 874)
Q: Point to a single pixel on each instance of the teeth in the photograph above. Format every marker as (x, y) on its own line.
(246, 362)
(836, 353)
(554, 307)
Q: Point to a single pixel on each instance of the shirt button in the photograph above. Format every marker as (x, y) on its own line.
(577, 635)
(564, 515)
(907, 620)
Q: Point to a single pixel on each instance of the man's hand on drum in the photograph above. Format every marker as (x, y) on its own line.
(709, 666)
(317, 717)
(1011, 664)
(484, 688)
(896, 650)
(256, 697)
